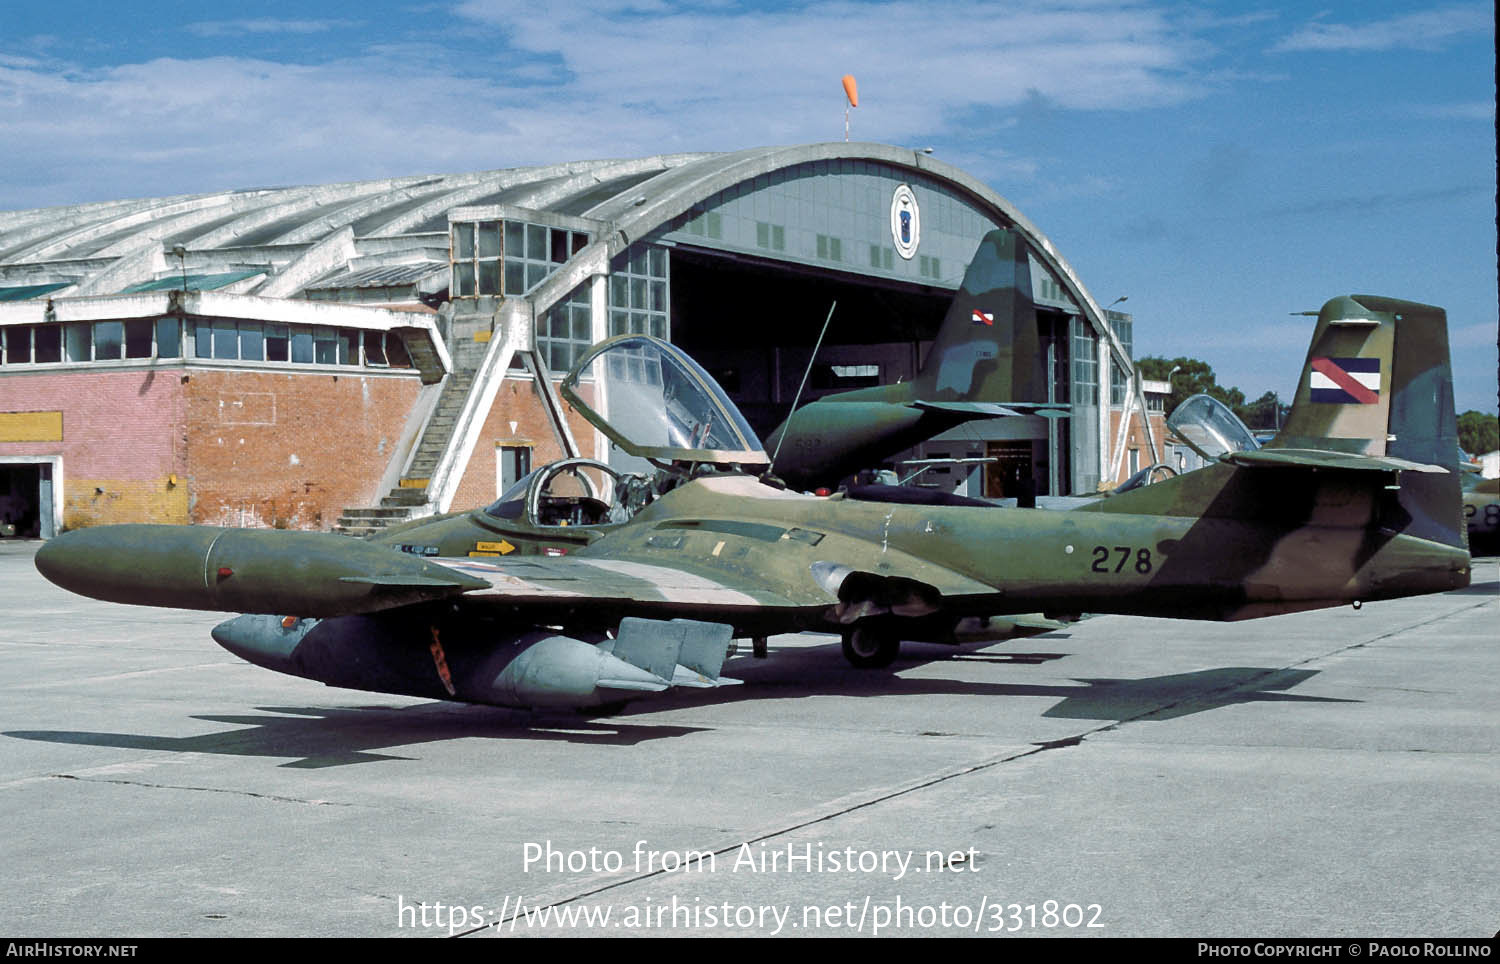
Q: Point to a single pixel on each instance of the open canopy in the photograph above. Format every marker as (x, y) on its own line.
(654, 401)
(1210, 428)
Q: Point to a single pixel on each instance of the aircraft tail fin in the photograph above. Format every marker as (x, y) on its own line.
(1378, 386)
(988, 349)
(1371, 441)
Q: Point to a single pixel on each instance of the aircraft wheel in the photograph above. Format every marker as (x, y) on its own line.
(866, 647)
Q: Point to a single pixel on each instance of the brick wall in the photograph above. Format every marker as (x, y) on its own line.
(289, 450)
(1135, 438)
(516, 401)
(121, 444)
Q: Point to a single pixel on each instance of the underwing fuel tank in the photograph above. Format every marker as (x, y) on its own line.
(242, 570)
(532, 668)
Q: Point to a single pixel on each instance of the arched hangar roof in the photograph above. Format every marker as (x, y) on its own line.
(282, 241)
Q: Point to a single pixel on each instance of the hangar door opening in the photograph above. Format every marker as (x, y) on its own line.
(753, 324)
(26, 507)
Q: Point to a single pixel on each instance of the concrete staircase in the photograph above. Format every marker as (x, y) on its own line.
(406, 499)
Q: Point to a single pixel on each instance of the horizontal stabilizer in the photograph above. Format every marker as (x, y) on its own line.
(1323, 459)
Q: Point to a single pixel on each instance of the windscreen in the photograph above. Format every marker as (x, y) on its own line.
(1210, 428)
(655, 401)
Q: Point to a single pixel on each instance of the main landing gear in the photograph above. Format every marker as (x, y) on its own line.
(870, 646)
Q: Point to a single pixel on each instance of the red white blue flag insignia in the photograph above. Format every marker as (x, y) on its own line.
(1345, 381)
(982, 317)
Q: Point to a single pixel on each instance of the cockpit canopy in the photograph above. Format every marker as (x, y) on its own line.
(1210, 428)
(653, 401)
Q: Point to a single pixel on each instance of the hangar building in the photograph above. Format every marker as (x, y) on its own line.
(381, 349)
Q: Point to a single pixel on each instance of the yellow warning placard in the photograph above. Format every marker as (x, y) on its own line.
(502, 547)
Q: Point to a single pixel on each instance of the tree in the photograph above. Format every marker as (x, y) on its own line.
(1266, 413)
(1193, 377)
(1478, 433)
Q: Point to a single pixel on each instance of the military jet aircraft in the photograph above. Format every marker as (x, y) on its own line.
(986, 362)
(1482, 509)
(1356, 499)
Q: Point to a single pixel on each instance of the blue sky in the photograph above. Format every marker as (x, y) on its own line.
(1221, 164)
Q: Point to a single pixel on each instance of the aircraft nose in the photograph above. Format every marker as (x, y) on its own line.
(263, 640)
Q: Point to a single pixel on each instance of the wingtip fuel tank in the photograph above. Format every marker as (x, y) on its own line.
(242, 570)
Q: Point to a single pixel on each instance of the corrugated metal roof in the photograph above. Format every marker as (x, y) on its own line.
(27, 292)
(382, 277)
(194, 282)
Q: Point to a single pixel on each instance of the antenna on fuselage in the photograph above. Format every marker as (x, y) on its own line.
(798, 397)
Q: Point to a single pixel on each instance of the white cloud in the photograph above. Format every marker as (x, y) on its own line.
(908, 56)
(610, 78)
(1423, 30)
(1473, 110)
(230, 28)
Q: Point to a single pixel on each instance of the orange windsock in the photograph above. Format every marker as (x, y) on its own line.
(851, 91)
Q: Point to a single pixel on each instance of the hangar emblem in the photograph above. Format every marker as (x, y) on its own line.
(906, 222)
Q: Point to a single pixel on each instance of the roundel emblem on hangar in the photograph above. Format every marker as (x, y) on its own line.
(906, 222)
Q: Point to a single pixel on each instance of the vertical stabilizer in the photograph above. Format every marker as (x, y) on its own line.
(987, 349)
(1378, 382)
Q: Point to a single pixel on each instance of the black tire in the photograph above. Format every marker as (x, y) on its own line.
(869, 647)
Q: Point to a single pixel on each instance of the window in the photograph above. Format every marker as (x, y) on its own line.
(508, 257)
(48, 344)
(325, 346)
(565, 330)
(18, 345)
(143, 339)
(302, 346)
(639, 292)
(1124, 328)
(375, 348)
(168, 338)
(772, 236)
(278, 343)
(226, 341)
(252, 342)
(138, 338)
(1085, 363)
(477, 257)
(109, 340)
(76, 340)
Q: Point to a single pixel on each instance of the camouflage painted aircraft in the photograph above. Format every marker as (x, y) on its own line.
(1356, 500)
(1482, 509)
(986, 362)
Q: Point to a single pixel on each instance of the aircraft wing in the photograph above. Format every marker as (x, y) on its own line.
(581, 581)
